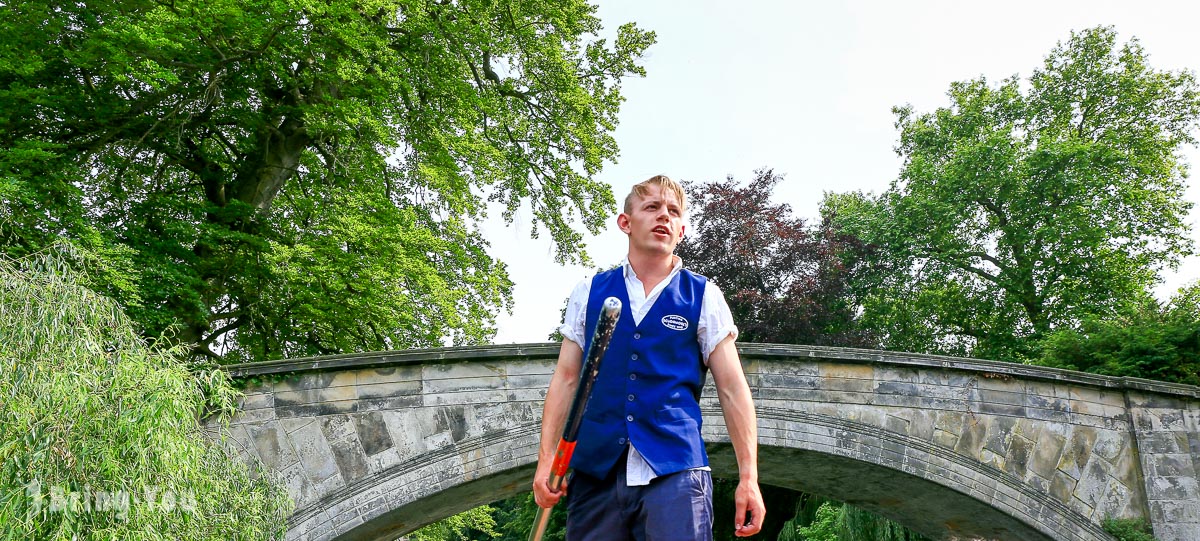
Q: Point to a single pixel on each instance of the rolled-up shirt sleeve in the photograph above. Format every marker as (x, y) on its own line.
(575, 319)
(716, 321)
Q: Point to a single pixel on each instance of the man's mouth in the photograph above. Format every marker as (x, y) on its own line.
(662, 230)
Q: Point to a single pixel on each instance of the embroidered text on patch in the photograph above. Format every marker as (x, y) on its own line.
(675, 322)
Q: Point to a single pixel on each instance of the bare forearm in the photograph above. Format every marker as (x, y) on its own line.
(558, 399)
(742, 423)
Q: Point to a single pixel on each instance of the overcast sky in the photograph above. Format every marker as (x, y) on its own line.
(807, 88)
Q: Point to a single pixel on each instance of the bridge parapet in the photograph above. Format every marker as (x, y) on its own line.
(374, 445)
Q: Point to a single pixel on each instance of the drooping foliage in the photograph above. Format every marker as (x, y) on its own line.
(99, 431)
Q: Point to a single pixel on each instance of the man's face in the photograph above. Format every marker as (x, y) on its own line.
(654, 223)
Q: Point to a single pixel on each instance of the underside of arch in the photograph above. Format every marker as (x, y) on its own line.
(928, 488)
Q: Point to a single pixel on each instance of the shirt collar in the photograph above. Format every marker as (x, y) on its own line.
(627, 269)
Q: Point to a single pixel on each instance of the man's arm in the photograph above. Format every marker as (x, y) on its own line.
(554, 415)
(742, 422)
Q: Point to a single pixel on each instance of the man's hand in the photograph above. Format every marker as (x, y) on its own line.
(748, 501)
(543, 494)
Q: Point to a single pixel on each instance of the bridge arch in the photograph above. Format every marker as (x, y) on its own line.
(374, 445)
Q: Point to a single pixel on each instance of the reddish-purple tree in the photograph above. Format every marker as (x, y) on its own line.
(785, 281)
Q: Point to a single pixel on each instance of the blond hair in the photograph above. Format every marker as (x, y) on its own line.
(664, 183)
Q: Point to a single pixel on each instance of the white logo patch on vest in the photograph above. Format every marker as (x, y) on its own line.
(674, 322)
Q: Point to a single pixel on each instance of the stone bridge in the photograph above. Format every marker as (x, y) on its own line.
(375, 445)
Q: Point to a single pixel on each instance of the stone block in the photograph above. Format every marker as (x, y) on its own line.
(317, 380)
(315, 453)
(260, 415)
(532, 381)
(1171, 465)
(769, 383)
(388, 375)
(998, 434)
(941, 438)
(1048, 415)
(383, 460)
(895, 424)
(1077, 451)
(350, 459)
(461, 397)
(1020, 452)
(970, 442)
(389, 389)
(372, 432)
(1092, 484)
(921, 424)
(950, 421)
(1176, 512)
(988, 458)
(1062, 487)
(1162, 442)
(1110, 444)
(857, 378)
(337, 427)
(317, 409)
(254, 401)
(388, 403)
(296, 483)
(1172, 488)
(1188, 531)
(272, 446)
(898, 401)
(1173, 420)
(315, 395)
(457, 377)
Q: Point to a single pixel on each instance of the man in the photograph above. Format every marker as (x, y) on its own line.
(641, 471)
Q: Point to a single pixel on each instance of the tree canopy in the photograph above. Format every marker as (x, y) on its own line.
(1026, 206)
(293, 177)
(1158, 341)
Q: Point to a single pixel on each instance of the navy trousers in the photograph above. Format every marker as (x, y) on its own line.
(674, 507)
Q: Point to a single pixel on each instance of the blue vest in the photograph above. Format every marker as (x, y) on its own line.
(648, 389)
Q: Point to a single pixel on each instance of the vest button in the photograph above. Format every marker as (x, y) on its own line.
(632, 376)
(629, 418)
(630, 398)
(637, 336)
(634, 357)
(620, 441)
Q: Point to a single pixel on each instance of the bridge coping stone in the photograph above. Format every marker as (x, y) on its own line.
(483, 354)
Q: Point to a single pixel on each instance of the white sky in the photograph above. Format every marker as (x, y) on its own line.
(806, 88)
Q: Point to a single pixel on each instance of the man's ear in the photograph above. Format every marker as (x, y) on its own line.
(682, 228)
(623, 223)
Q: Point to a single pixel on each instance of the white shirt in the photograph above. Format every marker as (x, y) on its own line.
(716, 322)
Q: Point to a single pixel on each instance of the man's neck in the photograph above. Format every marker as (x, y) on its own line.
(651, 268)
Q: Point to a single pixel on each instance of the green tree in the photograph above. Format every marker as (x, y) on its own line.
(1156, 342)
(99, 436)
(1025, 207)
(825, 524)
(299, 177)
(474, 523)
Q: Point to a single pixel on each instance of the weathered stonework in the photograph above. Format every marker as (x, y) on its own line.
(372, 446)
